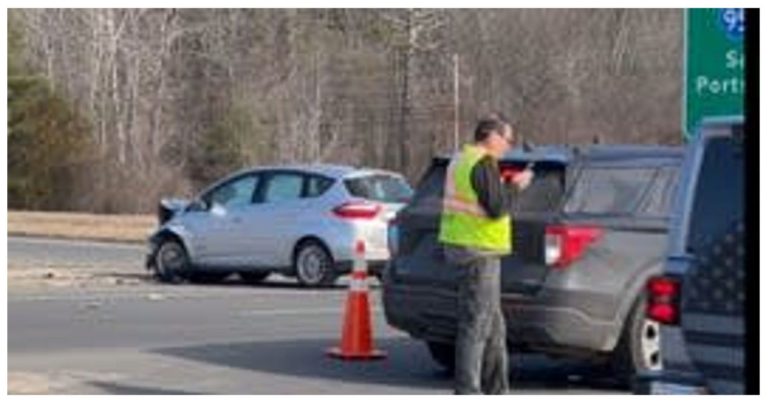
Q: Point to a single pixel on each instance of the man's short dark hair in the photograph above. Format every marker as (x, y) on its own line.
(493, 122)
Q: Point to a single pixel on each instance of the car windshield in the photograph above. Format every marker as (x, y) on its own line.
(380, 187)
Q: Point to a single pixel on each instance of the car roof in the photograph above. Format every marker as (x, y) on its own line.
(566, 153)
(554, 153)
(631, 152)
(546, 153)
(719, 126)
(330, 170)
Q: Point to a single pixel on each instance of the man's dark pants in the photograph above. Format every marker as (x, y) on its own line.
(481, 352)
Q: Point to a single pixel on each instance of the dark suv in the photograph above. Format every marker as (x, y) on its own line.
(588, 233)
(699, 299)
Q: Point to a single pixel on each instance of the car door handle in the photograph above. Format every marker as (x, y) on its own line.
(237, 220)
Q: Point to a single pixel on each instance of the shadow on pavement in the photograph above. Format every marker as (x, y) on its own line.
(232, 281)
(408, 364)
(539, 372)
(124, 389)
(143, 277)
(286, 283)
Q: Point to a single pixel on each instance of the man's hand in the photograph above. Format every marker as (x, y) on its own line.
(523, 179)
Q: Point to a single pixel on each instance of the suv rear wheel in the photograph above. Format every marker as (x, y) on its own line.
(639, 348)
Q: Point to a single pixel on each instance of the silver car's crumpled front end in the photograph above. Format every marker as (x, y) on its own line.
(168, 207)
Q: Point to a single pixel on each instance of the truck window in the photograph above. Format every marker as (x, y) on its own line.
(545, 192)
(719, 193)
(608, 190)
(644, 191)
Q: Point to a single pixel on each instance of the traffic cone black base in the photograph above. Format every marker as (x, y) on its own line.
(374, 354)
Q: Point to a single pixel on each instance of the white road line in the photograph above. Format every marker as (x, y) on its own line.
(143, 295)
(159, 295)
(73, 242)
(299, 311)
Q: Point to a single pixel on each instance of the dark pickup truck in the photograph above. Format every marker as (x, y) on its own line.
(699, 299)
(588, 232)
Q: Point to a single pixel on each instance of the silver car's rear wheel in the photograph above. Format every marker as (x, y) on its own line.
(313, 265)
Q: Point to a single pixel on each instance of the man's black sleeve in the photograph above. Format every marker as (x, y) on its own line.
(494, 196)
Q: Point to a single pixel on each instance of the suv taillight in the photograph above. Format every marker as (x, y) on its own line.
(564, 244)
(663, 300)
(357, 210)
(507, 174)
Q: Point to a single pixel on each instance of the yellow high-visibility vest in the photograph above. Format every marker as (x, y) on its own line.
(464, 222)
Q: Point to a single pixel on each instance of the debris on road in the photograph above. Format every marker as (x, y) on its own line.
(23, 276)
(92, 305)
(51, 274)
(155, 297)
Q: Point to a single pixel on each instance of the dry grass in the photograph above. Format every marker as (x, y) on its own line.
(117, 228)
(27, 383)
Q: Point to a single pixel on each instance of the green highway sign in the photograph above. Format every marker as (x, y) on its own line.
(714, 65)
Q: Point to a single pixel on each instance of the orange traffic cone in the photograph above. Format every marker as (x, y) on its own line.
(356, 335)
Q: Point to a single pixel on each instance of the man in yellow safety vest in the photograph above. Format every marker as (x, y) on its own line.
(476, 231)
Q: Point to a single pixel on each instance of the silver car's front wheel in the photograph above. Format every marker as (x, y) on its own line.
(313, 265)
(171, 261)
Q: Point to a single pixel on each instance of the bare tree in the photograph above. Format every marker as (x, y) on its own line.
(176, 98)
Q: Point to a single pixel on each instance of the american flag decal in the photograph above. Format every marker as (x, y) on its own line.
(712, 309)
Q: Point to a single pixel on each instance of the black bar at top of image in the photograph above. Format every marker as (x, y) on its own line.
(751, 214)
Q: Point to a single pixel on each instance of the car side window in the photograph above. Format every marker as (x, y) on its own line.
(283, 187)
(317, 185)
(237, 192)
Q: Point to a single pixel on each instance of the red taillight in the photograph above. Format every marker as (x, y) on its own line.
(509, 171)
(508, 174)
(663, 295)
(564, 244)
(357, 210)
(662, 313)
(663, 287)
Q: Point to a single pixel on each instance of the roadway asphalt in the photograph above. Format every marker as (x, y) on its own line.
(147, 338)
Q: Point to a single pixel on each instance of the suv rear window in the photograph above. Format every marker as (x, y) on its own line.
(380, 187)
(623, 190)
(719, 196)
(543, 195)
(545, 191)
